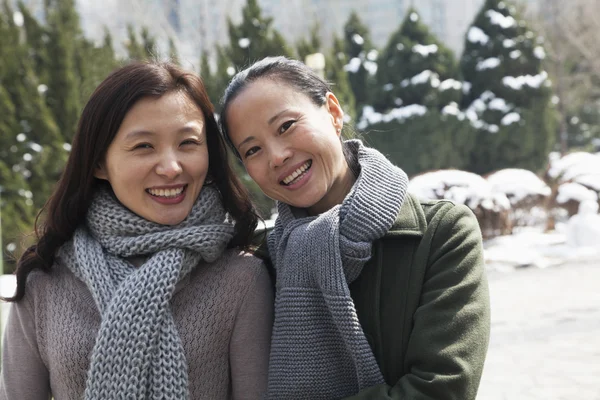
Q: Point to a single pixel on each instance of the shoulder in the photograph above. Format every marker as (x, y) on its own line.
(419, 217)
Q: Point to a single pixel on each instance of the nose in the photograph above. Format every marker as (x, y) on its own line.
(279, 155)
(169, 166)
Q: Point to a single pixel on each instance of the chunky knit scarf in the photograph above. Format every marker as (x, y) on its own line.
(138, 353)
(319, 350)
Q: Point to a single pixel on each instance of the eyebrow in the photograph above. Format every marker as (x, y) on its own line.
(274, 117)
(144, 133)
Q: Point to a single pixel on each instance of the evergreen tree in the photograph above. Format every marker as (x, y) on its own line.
(93, 63)
(216, 82)
(415, 68)
(338, 77)
(310, 45)
(508, 96)
(254, 38)
(135, 50)
(173, 53)
(29, 163)
(415, 118)
(362, 64)
(63, 95)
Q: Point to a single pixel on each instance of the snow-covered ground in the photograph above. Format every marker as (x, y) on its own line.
(531, 247)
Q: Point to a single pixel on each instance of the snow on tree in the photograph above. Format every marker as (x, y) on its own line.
(526, 192)
(491, 208)
(416, 68)
(254, 38)
(339, 79)
(507, 92)
(414, 117)
(362, 60)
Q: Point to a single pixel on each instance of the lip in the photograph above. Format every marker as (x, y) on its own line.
(170, 200)
(175, 186)
(290, 170)
(302, 181)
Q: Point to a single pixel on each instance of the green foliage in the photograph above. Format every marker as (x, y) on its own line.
(216, 82)
(143, 48)
(362, 57)
(254, 38)
(413, 52)
(338, 77)
(503, 64)
(309, 45)
(173, 53)
(64, 33)
(424, 142)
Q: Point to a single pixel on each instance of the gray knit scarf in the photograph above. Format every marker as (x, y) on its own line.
(138, 353)
(319, 350)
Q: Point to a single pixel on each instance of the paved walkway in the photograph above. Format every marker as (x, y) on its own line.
(545, 341)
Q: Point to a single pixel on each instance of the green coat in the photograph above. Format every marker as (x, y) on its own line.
(423, 303)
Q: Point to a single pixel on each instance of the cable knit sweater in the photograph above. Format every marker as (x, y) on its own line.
(223, 312)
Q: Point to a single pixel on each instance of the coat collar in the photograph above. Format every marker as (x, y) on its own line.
(410, 220)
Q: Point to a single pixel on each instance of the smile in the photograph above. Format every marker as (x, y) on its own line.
(167, 193)
(297, 174)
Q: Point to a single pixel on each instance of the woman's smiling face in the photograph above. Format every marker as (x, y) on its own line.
(289, 145)
(158, 161)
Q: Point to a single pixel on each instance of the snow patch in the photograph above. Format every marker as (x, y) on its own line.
(353, 65)
(476, 35)
(451, 109)
(371, 67)
(371, 117)
(488, 63)
(510, 118)
(579, 167)
(575, 191)
(517, 82)
(515, 54)
(539, 52)
(450, 84)
(358, 39)
(508, 43)
(517, 184)
(425, 50)
(18, 18)
(244, 43)
(459, 186)
(503, 21)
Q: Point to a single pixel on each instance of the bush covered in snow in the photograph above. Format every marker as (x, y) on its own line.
(526, 192)
(492, 209)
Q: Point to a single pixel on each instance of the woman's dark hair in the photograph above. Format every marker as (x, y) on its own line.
(100, 120)
(283, 70)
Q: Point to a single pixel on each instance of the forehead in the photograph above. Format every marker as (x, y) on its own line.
(171, 108)
(263, 93)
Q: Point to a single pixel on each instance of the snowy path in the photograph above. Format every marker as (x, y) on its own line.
(545, 341)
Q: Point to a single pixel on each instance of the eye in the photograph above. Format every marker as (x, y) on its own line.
(286, 125)
(189, 142)
(251, 151)
(141, 146)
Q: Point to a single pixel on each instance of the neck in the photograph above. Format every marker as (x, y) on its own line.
(336, 194)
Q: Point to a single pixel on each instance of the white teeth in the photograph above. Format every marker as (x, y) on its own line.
(296, 173)
(166, 192)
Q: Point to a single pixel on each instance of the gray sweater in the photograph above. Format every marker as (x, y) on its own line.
(223, 312)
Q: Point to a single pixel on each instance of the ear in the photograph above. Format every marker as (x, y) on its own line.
(336, 112)
(100, 171)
